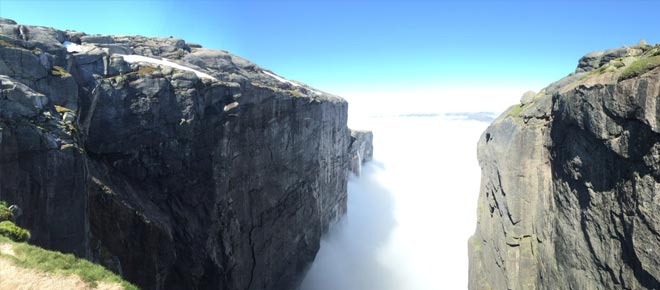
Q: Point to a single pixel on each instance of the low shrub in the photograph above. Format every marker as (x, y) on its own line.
(5, 213)
(10, 230)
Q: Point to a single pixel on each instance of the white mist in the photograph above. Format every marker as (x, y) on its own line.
(410, 213)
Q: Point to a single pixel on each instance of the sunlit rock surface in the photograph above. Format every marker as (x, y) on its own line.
(361, 150)
(176, 166)
(569, 191)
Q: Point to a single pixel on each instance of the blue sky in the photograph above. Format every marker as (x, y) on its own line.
(352, 47)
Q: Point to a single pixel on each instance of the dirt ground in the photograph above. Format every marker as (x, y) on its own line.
(17, 278)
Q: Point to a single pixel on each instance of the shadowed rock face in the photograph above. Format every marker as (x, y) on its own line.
(171, 178)
(570, 182)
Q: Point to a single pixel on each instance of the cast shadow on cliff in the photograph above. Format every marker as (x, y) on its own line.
(599, 171)
(349, 257)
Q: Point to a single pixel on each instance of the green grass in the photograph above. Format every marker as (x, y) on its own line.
(656, 52)
(10, 230)
(515, 110)
(5, 213)
(617, 63)
(32, 257)
(609, 67)
(651, 50)
(640, 67)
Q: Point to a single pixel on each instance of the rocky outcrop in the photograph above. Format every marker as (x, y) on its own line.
(361, 150)
(176, 166)
(570, 182)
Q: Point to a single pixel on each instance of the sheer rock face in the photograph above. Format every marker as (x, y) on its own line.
(174, 179)
(570, 192)
(361, 150)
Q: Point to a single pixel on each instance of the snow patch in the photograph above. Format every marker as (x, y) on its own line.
(282, 80)
(230, 106)
(72, 47)
(139, 58)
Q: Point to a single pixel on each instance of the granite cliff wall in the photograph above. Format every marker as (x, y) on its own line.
(176, 166)
(361, 150)
(570, 182)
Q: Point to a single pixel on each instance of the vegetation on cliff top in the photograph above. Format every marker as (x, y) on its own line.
(640, 67)
(32, 257)
(634, 63)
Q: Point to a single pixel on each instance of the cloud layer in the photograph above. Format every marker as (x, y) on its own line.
(410, 213)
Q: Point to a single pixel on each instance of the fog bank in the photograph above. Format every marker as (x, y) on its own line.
(410, 213)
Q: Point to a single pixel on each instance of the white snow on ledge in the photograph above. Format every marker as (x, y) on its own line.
(139, 58)
(72, 47)
(282, 80)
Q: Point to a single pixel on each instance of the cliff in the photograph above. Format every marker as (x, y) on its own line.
(570, 181)
(175, 166)
(361, 150)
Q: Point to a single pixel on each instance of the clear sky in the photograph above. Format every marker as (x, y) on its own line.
(370, 49)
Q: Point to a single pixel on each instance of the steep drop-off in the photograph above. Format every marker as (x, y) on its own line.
(570, 192)
(177, 167)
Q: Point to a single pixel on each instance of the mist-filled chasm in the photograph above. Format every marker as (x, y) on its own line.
(411, 211)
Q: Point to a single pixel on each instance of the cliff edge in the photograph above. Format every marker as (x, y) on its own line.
(570, 181)
(175, 166)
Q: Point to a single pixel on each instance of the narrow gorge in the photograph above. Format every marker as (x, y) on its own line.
(173, 165)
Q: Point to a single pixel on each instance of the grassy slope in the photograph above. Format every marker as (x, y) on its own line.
(32, 257)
